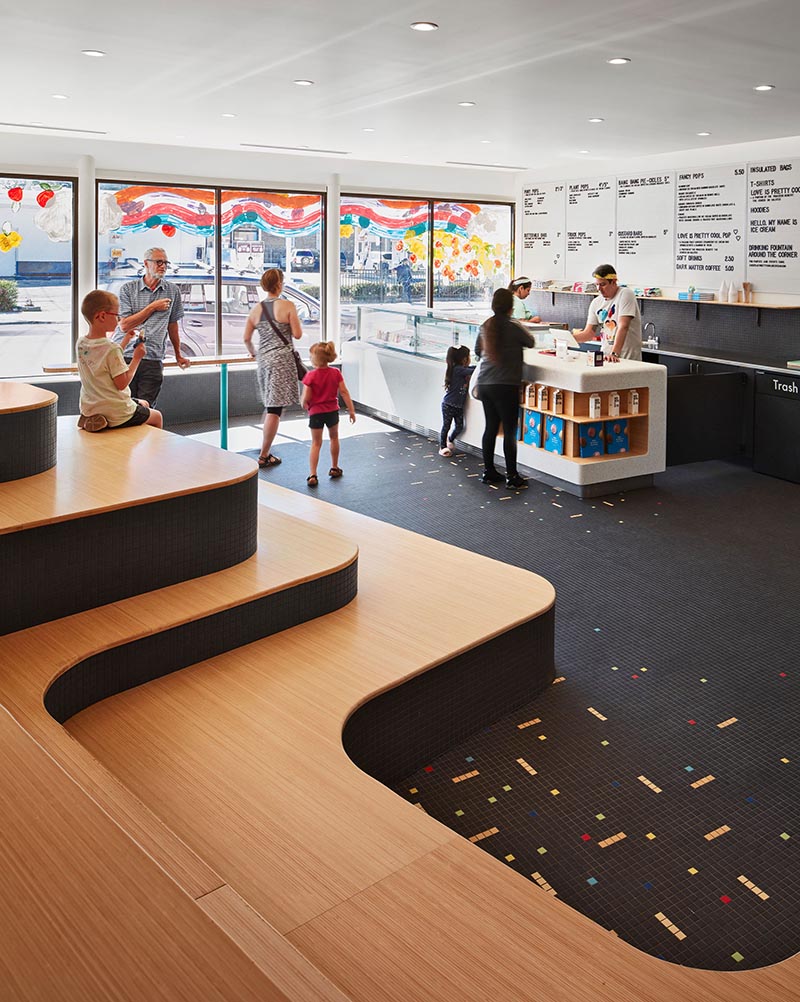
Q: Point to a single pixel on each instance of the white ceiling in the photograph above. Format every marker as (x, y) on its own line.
(537, 72)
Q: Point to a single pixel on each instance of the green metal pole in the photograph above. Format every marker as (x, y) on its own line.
(223, 405)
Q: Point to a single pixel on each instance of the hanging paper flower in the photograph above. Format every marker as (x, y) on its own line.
(345, 231)
(168, 231)
(9, 240)
(399, 245)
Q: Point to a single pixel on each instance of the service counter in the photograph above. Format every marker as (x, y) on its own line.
(587, 453)
(396, 371)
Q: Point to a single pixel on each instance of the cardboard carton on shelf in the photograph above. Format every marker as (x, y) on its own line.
(616, 435)
(532, 429)
(554, 435)
(590, 442)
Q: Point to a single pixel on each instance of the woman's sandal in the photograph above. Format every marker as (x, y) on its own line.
(269, 460)
(312, 481)
(334, 472)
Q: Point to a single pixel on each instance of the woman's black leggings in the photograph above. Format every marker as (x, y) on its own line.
(500, 407)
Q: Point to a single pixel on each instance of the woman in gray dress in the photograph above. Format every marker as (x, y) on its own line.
(277, 323)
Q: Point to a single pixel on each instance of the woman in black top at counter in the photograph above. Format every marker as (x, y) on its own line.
(499, 347)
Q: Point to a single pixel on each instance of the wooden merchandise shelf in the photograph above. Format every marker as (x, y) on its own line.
(576, 414)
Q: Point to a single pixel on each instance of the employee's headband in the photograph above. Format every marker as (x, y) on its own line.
(604, 278)
(520, 281)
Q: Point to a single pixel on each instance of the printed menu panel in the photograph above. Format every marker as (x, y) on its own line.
(774, 233)
(591, 207)
(710, 231)
(645, 229)
(543, 231)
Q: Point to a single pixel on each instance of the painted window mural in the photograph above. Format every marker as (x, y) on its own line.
(36, 273)
(384, 253)
(471, 252)
(254, 230)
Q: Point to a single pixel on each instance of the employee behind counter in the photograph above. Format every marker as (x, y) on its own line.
(616, 312)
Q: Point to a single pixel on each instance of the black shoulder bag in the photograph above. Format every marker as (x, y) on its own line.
(301, 369)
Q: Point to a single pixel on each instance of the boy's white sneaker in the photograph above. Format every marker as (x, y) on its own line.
(94, 422)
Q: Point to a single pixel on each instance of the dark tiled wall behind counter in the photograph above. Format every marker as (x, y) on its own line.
(684, 326)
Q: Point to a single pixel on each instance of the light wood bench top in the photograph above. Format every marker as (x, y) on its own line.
(114, 469)
(382, 898)
(16, 397)
(233, 770)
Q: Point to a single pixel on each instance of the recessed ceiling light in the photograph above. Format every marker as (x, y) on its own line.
(304, 83)
(486, 141)
(424, 26)
(466, 104)
(765, 87)
(367, 130)
(595, 120)
(703, 133)
(59, 97)
(228, 114)
(618, 60)
(94, 53)
(583, 151)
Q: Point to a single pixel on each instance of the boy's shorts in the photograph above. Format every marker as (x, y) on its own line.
(139, 416)
(328, 419)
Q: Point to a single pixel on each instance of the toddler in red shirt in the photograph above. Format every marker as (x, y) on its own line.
(321, 389)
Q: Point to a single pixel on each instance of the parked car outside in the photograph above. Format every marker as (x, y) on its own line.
(240, 292)
(305, 260)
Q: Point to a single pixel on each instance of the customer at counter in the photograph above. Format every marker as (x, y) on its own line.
(616, 312)
(520, 289)
(499, 347)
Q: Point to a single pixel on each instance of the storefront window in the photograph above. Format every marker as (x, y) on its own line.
(37, 251)
(383, 254)
(132, 219)
(262, 230)
(471, 252)
(254, 230)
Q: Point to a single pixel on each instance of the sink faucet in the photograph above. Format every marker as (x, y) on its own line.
(651, 342)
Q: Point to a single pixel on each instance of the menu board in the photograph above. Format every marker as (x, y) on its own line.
(645, 228)
(591, 209)
(543, 231)
(774, 233)
(710, 219)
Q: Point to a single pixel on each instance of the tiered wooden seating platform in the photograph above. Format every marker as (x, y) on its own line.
(205, 835)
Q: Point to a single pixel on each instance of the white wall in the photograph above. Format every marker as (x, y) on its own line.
(591, 167)
(38, 154)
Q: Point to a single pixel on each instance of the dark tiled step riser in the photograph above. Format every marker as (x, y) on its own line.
(66, 567)
(159, 654)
